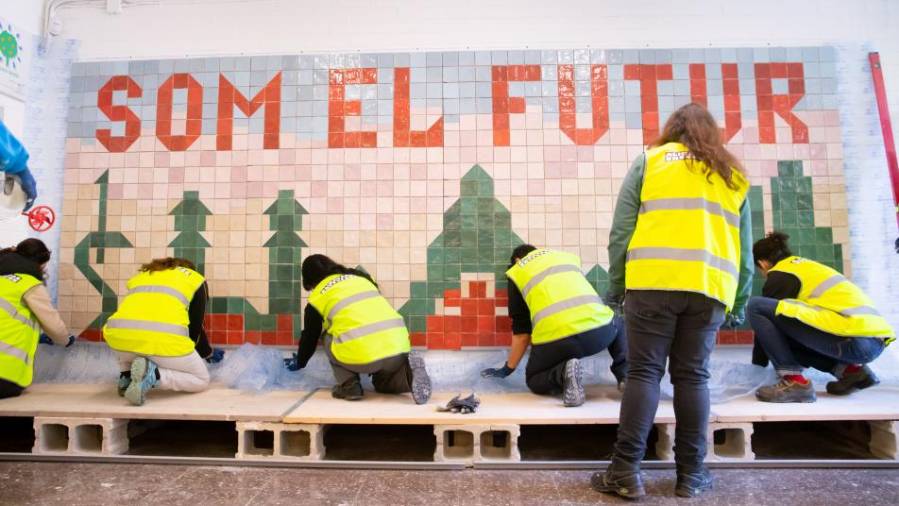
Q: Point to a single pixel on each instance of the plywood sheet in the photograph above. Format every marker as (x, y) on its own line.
(877, 403)
(102, 401)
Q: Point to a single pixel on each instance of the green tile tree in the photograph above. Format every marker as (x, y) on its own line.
(190, 219)
(284, 256)
(477, 236)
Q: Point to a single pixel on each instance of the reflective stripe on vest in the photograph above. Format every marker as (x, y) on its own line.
(362, 325)
(160, 289)
(153, 317)
(687, 236)
(830, 302)
(561, 301)
(19, 329)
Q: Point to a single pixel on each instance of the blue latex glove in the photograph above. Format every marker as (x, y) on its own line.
(292, 364)
(502, 372)
(29, 186)
(734, 320)
(45, 339)
(217, 356)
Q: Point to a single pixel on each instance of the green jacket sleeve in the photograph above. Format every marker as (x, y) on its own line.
(747, 264)
(623, 224)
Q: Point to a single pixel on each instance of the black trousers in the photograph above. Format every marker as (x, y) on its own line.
(9, 389)
(545, 371)
(679, 327)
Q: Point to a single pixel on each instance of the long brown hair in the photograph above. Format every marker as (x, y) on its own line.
(32, 249)
(164, 264)
(693, 126)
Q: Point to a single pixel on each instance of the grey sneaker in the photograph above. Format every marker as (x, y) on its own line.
(421, 382)
(143, 378)
(691, 484)
(124, 381)
(787, 391)
(850, 382)
(628, 485)
(573, 393)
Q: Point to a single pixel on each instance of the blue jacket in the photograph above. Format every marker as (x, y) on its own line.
(625, 221)
(13, 157)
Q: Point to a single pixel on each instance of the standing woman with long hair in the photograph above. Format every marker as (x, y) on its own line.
(680, 247)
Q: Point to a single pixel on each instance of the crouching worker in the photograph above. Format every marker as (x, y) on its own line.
(362, 333)
(555, 309)
(25, 309)
(809, 315)
(157, 332)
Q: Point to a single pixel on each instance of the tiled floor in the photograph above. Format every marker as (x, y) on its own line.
(71, 484)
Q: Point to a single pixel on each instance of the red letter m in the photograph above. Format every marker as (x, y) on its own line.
(230, 97)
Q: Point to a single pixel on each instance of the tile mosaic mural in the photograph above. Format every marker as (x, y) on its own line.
(424, 168)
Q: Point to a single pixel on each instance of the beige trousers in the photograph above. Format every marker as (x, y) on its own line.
(187, 373)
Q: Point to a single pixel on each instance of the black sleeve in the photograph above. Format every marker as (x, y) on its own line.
(196, 312)
(518, 311)
(781, 285)
(312, 331)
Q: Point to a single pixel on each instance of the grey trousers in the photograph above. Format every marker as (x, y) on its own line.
(680, 327)
(391, 375)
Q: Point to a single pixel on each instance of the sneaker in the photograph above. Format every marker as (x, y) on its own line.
(627, 484)
(787, 391)
(350, 391)
(622, 385)
(691, 484)
(573, 393)
(850, 382)
(124, 381)
(143, 378)
(421, 382)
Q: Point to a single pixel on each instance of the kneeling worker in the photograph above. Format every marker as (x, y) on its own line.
(555, 309)
(810, 315)
(363, 334)
(25, 309)
(157, 332)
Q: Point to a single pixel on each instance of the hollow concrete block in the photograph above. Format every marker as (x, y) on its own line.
(78, 435)
(884, 439)
(291, 441)
(737, 444)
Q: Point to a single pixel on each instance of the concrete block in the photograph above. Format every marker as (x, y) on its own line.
(499, 442)
(97, 436)
(476, 443)
(291, 441)
(665, 443)
(884, 439)
(735, 441)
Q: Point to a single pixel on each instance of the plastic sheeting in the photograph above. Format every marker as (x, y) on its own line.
(260, 368)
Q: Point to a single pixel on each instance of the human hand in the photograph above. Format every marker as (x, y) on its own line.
(501, 372)
(217, 356)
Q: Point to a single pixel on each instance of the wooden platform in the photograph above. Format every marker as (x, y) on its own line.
(602, 407)
(101, 401)
(878, 403)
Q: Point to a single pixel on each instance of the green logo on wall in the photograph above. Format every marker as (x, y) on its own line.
(9, 45)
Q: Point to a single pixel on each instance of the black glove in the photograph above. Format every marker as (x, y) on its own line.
(614, 300)
(462, 406)
(502, 372)
(292, 364)
(45, 339)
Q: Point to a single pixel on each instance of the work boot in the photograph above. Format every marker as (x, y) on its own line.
(692, 483)
(787, 390)
(143, 378)
(350, 391)
(625, 483)
(573, 390)
(421, 382)
(124, 381)
(852, 381)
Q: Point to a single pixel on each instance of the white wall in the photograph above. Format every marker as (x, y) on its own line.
(24, 14)
(178, 28)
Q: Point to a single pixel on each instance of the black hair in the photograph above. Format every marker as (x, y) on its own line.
(32, 249)
(521, 252)
(318, 267)
(772, 248)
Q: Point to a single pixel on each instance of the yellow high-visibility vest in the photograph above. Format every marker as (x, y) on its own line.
(362, 324)
(687, 236)
(561, 301)
(153, 318)
(19, 329)
(830, 302)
